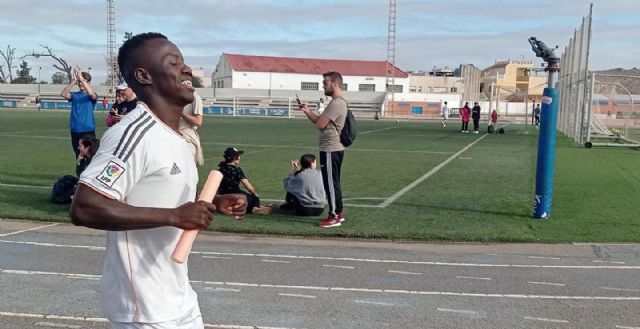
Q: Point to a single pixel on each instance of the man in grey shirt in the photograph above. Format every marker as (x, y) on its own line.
(329, 125)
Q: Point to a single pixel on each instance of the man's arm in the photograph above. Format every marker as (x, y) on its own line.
(66, 92)
(94, 210)
(193, 119)
(320, 121)
(87, 88)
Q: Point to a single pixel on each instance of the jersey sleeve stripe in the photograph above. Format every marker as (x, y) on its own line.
(138, 140)
(132, 135)
(126, 131)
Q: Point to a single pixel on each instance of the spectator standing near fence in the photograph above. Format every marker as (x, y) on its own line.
(190, 121)
(475, 115)
(83, 102)
(536, 114)
(329, 125)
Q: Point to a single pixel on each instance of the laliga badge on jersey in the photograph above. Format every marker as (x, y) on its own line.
(110, 174)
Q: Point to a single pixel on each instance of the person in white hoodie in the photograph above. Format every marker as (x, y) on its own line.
(305, 192)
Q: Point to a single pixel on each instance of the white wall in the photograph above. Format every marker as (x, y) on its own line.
(292, 81)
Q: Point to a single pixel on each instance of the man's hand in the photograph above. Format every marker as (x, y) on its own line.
(194, 215)
(231, 204)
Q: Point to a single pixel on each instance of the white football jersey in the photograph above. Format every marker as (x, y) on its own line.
(144, 163)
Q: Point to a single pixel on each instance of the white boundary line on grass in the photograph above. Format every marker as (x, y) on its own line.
(29, 131)
(430, 173)
(315, 147)
(36, 136)
(27, 186)
(376, 130)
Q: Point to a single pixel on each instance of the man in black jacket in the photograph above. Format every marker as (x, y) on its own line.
(475, 115)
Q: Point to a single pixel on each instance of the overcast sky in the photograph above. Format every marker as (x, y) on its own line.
(429, 33)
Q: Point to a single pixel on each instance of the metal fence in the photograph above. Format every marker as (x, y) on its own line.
(573, 83)
(595, 109)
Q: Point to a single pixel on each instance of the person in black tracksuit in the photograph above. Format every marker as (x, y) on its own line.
(475, 115)
(329, 125)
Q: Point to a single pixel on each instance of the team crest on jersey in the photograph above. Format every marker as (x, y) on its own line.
(110, 174)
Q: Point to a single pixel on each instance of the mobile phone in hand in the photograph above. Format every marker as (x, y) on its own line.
(298, 100)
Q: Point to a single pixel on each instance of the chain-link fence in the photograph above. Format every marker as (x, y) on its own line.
(573, 83)
(596, 109)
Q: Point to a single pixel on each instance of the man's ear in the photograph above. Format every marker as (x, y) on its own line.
(143, 77)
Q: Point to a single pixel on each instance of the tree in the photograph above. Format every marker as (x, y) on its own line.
(24, 74)
(62, 64)
(197, 82)
(59, 78)
(8, 56)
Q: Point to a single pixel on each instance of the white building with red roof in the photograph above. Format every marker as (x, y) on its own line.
(288, 73)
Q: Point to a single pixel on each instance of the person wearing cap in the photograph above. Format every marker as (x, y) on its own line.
(129, 99)
(233, 176)
(190, 120)
(83, 102)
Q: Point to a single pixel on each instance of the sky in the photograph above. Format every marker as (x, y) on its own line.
(428, 33)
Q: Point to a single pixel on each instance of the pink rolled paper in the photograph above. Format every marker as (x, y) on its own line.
(184, 245)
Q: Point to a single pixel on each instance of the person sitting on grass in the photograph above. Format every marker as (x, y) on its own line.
(233, 176)
(305, 192)
(87, 147)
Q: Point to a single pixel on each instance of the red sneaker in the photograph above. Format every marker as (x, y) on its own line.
(341, 218)
(331, 221)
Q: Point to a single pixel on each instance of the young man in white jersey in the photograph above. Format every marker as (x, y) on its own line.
(445, 114)
(140, 187)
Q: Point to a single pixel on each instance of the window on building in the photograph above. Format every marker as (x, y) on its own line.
(370, 87)
(398, 88)
(412, 89)
(454, 89)
(344, 87)
(309, 86)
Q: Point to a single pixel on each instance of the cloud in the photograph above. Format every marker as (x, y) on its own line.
(429, 32)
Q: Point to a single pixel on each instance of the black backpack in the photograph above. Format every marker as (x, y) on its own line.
(349, 131)
(63, 189)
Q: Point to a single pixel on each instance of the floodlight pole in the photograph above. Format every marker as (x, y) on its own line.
(547, 137)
